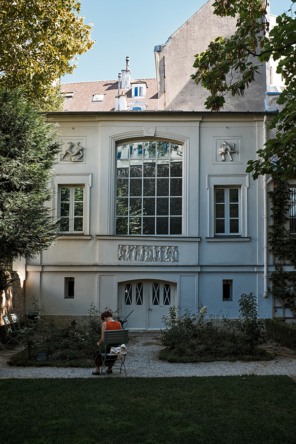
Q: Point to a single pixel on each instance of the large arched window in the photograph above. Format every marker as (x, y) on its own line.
(149, 188)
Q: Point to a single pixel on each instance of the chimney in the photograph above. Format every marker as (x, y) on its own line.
(126, 76)
(120, 100)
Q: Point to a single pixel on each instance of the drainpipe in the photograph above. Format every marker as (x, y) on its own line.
(265, 219)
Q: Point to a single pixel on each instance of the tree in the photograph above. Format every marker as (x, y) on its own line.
(38, 41)
(229, 66)
(28, 150)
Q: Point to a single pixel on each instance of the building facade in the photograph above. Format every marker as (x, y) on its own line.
(156, 210)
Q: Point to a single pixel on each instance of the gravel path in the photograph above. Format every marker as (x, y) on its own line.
(142, 361)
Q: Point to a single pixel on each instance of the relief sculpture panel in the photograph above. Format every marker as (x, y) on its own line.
(144, 253)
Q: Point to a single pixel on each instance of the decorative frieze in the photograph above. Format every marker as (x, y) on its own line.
(73, 153)
(145, 253)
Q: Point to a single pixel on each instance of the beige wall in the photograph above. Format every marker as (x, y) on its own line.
(174, 66)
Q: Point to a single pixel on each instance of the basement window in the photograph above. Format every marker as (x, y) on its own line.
(69, 287)
(227, 290)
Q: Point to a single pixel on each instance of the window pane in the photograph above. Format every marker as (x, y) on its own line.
(176, 206)
(149, 187)
(162, 187)
(78, 224)
(220, 226)
(233, 210)
(128, 293)
(65, 209)
(149, 206)
(162, 169)
(176, 169)
(219, 195)
(122, 187)
(136, 187)
(135, 207)
(149, 150)
(121, 225)
(65, 194)
(139, 294)
(122, 207)
(64, 226)
(155, 294)
(78, 209)
(136, 169)
(176, 151)
(79, 194)
(136, 150)
(122, 168)
(148, 225)
(176, 187)
(163, 149)
(162, 206)
(162, 226)
(234, 226)
(167, 294)
(220, 210)
(233, 195)
(135, 225)
(149, 169)
(176, 225)
(123, 152)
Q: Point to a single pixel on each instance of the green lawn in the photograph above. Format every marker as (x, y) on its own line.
(249, 409)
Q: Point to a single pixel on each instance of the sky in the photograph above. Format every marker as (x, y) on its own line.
(133, 28)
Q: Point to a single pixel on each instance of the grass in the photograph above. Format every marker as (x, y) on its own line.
(248, 409)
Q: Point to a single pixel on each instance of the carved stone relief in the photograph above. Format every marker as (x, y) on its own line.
(227, 150)
(144, 253)
(73, 150)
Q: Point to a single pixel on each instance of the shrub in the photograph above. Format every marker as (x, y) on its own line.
(281, 332)
(250, 327)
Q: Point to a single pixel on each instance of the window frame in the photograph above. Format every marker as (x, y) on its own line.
(230, 282)
(241, 181)
(292, 187)
(72, 202)
(67, 280)
(138, 87)
(142, 197)
(85, 180)
(227, 216)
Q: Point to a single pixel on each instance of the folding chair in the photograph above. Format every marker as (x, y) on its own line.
(113, 338)
(13, 331)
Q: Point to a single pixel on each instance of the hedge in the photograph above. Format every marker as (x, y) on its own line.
(281, 332)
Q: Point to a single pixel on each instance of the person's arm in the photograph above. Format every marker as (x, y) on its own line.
(102, 334)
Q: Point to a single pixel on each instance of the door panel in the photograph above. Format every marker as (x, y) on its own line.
(149, 300)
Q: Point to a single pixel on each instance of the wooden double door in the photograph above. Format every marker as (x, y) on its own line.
(149, 300)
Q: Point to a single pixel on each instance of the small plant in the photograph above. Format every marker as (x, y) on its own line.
(250, 327)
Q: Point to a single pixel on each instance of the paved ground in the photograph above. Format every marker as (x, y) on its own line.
(142, 361)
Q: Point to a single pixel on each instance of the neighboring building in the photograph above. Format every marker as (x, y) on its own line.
(112, 95)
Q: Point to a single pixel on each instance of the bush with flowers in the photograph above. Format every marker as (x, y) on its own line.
(70, 346)
(192, 337)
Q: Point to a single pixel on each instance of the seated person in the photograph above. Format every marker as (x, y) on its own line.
(108, 324)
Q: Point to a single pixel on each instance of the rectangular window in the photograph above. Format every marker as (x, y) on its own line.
(227, 290)
(71, 208)
(227, 211)
(136, 91)
(69, 287)
(149, 189)
(292, 211)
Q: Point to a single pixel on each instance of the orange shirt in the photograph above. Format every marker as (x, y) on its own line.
(113, 325)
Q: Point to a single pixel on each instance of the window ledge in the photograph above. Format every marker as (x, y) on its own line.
(228, 239)
(149, 238)
(74, 237)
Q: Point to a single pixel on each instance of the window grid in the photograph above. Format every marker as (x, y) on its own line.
(128, 294)
(129, 162)
(139, 294)
(167, 294)
(227, 211)
(155, 294)
(292, 212)
(71, 209)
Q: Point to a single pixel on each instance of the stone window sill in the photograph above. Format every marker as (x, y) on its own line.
(228, 239)
(74, 237)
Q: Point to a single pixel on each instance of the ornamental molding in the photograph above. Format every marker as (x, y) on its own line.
(145, 253)
(73, 150)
